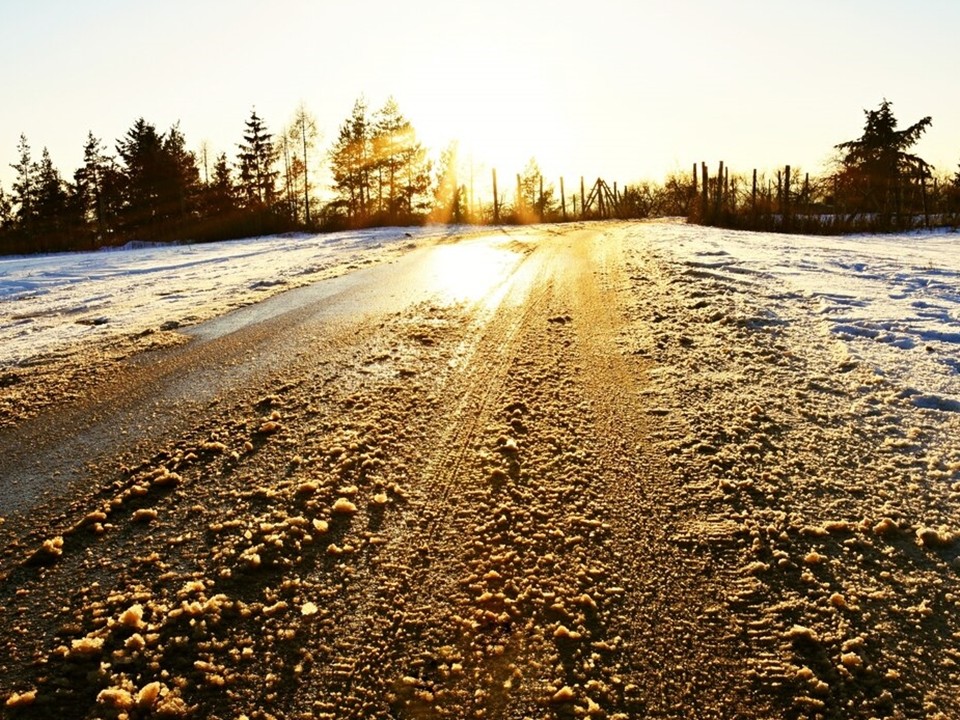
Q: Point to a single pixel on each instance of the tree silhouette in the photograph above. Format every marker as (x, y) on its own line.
(25, 188)
(220, 193)
(141, 151)
(53, 207)
(876, 167)
(350, 161)
(180, 180)
(257, 174)
(6, 210)
(97, 189)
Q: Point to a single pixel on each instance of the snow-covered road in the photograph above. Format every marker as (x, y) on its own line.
(893, 301)
(594, 470)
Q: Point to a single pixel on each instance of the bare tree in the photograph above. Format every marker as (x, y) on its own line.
(303, 130)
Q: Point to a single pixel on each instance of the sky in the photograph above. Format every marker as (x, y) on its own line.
(624, 89)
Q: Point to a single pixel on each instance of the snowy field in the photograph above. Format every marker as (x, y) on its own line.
(892, 301)
(49, 303)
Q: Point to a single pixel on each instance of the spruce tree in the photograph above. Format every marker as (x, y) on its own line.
(180, 179)
(25, 188)
(877, 166)
(220, 193)
(6, 210)
(257, 158)
(143, 157)
(98, 190)
(6, 224)
(53, 206)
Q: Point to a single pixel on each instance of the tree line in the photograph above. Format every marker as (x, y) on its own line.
(876, 185)
(153, 188)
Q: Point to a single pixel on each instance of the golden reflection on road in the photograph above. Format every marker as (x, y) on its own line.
(470, 271)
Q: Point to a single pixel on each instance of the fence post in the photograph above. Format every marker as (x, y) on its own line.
(563, 200)
(753, 194)
(718, 198)
(540, 203)
(786, 198)
(583, 199)
(704, 193)
(496, 200)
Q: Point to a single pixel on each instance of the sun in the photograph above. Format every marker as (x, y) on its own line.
(499, 104)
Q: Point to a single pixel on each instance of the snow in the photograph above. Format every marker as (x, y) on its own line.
(892, 302)
(49, 303)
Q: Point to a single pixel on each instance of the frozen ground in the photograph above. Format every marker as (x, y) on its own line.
(596, 470)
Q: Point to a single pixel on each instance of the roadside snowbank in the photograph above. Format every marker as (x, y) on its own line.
(49, 303)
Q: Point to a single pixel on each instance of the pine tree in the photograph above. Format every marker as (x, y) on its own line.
(7, 238)
(953, 193)
(6, 211)
(257, 158)
(180, 179)
(448, 194)
(401, 164)
(98, 189)
(52, 206)
(290, 194)
(220, 193)
(400, 161)
(303, 131)
(142, 153)
(350, 161)
(25, 188)
(876, 166)
(536, 199)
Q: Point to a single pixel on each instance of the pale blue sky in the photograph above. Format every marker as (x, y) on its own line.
(627, 89)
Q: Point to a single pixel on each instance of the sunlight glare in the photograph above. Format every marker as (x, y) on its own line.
(470, 271)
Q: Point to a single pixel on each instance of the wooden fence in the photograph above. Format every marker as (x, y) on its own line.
(599, 201)
(788, 203)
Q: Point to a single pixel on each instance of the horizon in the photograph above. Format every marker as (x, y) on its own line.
(629, 92)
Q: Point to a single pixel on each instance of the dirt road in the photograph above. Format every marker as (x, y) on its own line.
(537, 473)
